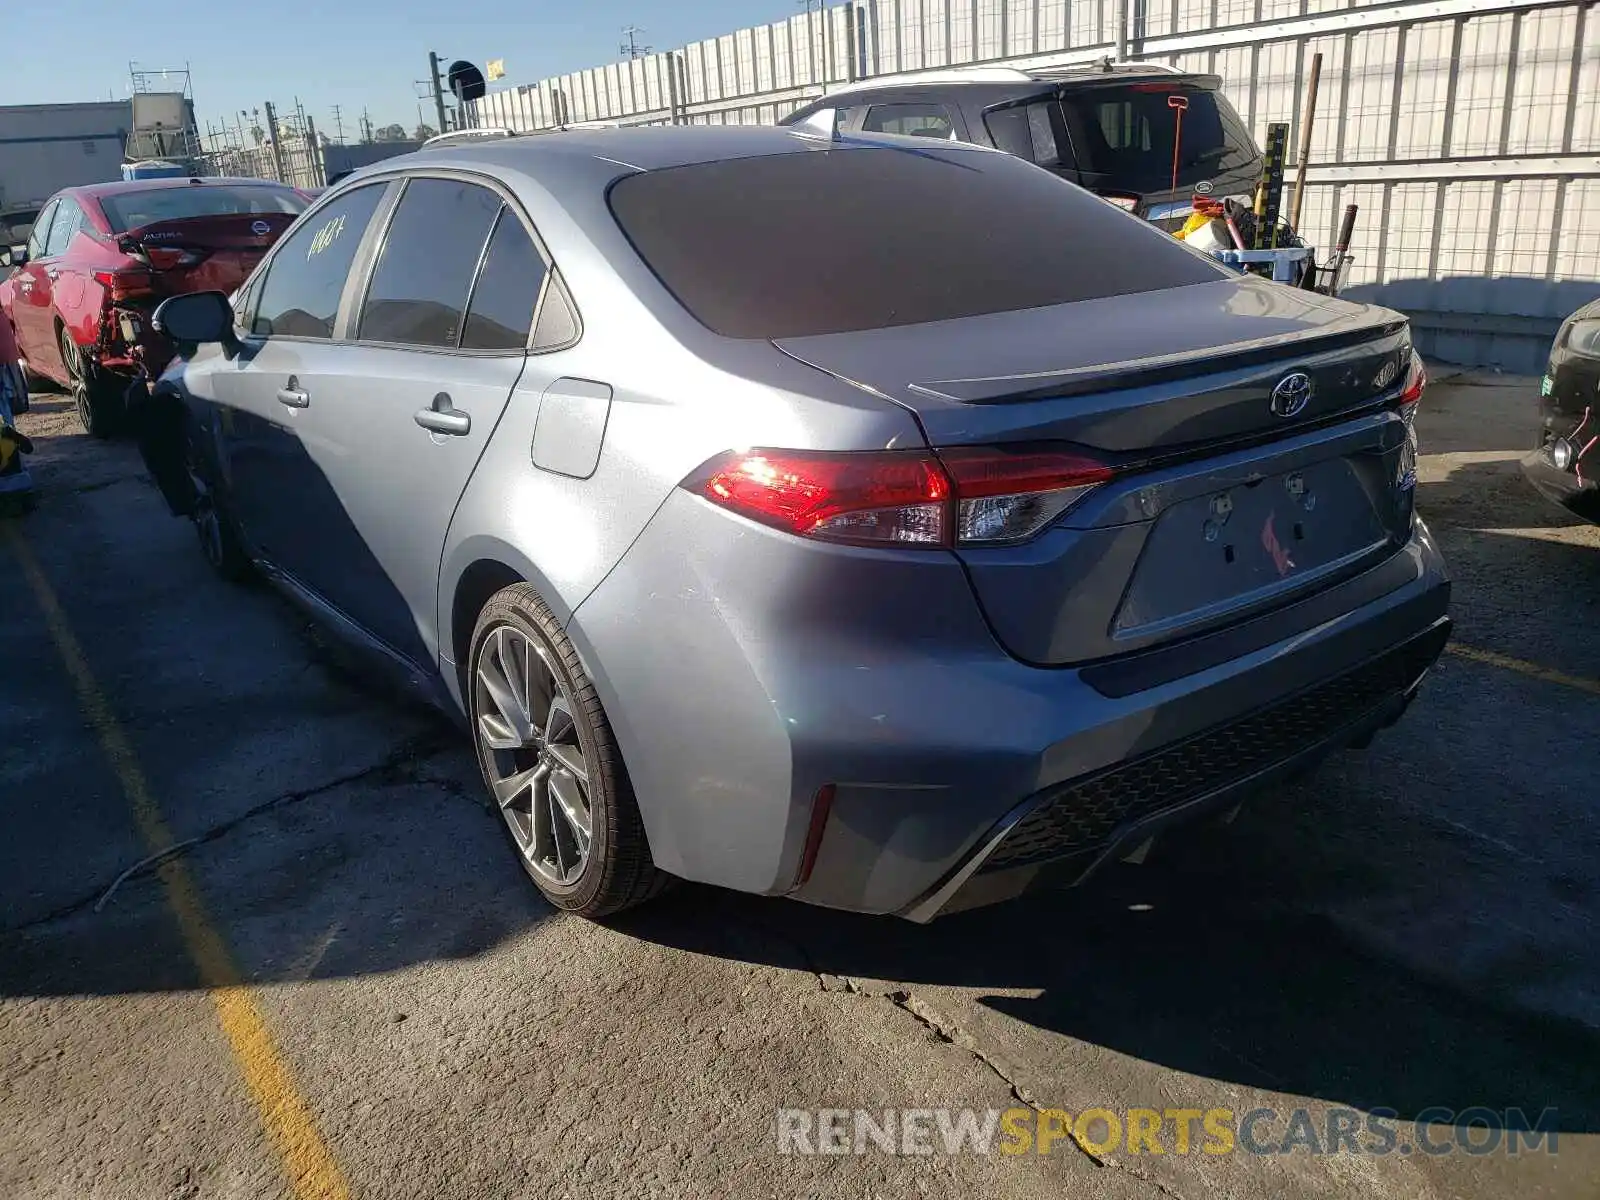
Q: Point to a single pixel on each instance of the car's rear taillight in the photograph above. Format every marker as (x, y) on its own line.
(889, 497)
(1416, 380)
(165, 258)
(956, 497)
(1008, 496)
(125, 282)
(1410, 393)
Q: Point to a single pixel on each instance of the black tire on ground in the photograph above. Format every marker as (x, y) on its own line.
(98, 395)
(619, 872)
(219, 542)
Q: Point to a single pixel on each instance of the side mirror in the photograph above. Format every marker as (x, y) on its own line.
(195, 318)
(13, 256)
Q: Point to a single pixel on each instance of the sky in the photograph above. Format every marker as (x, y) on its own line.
(353, 53)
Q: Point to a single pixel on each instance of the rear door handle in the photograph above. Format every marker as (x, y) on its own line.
(292, 397)
(444, 417)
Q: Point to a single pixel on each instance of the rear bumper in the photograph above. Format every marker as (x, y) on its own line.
(1062, 835)
(744, 671)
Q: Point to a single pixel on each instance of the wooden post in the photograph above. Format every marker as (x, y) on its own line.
(1305, 141)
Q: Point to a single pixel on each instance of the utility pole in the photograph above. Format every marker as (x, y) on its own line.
(438, 87)
(277, 148)
(366, 126)
(319, 170)
(631, 47)
(338, 124)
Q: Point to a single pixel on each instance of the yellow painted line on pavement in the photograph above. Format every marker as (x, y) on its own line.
(312, 1172)
(1521, 666)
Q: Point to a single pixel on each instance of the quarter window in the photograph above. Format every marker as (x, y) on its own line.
(306, 276)
(910, 120)
(431, 253)
(1027, 131)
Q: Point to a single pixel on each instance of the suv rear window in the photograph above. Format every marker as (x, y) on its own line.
(1125, 135)
(146, 206)
(833, 240)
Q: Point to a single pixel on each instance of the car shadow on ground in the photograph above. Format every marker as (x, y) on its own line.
(1199, 966)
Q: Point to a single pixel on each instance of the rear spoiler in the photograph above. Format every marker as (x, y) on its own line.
(1115, 377)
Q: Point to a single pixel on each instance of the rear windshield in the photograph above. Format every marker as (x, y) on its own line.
(1127, 135)
(828, 241)
(132, 210)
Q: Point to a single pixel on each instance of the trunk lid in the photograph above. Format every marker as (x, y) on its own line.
(204, 253)
(1224, 504)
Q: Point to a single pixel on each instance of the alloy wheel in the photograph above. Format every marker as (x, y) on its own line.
(208, 525)
(538, 769)
(80, 399)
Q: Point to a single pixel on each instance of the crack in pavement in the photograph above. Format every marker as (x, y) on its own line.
(949, 1031)
(410, 753)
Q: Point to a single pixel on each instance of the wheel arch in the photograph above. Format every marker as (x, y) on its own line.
(473, 570)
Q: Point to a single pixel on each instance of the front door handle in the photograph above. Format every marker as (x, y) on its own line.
(444, 417)
(53, 272)
(291, 396)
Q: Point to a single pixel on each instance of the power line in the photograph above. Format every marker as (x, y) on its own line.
(631, 47)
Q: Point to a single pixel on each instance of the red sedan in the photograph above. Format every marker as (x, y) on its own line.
(100, 259)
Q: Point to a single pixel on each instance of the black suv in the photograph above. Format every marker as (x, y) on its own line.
(1110, 127)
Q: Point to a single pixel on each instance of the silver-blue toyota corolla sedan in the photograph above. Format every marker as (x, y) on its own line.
(888, 525)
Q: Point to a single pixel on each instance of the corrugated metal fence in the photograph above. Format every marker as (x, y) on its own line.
(1468, 131)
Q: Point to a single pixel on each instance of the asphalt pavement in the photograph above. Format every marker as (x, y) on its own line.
(259, 936)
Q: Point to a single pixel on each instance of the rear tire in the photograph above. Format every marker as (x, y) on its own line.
(551, 763)
(97, 395)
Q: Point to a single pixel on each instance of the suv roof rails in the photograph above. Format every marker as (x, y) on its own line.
(948, 75)
(957, 75)
(1103, 66)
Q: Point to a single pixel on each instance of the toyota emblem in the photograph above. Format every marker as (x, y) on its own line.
(260, 228)
(1203, 188)
(1291, 395)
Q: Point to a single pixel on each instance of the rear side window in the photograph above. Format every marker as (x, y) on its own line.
(910, 120)
(418, 295)
(67, 221)
(500, 313)
(1030, 131)
(306, 277)
(906, 235)
(146, 206)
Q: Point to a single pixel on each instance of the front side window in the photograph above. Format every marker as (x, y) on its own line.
(41, 230)
(431, 252)
(306, 277)
(910, 120)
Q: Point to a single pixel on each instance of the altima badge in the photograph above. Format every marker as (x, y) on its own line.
(1291, 395)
